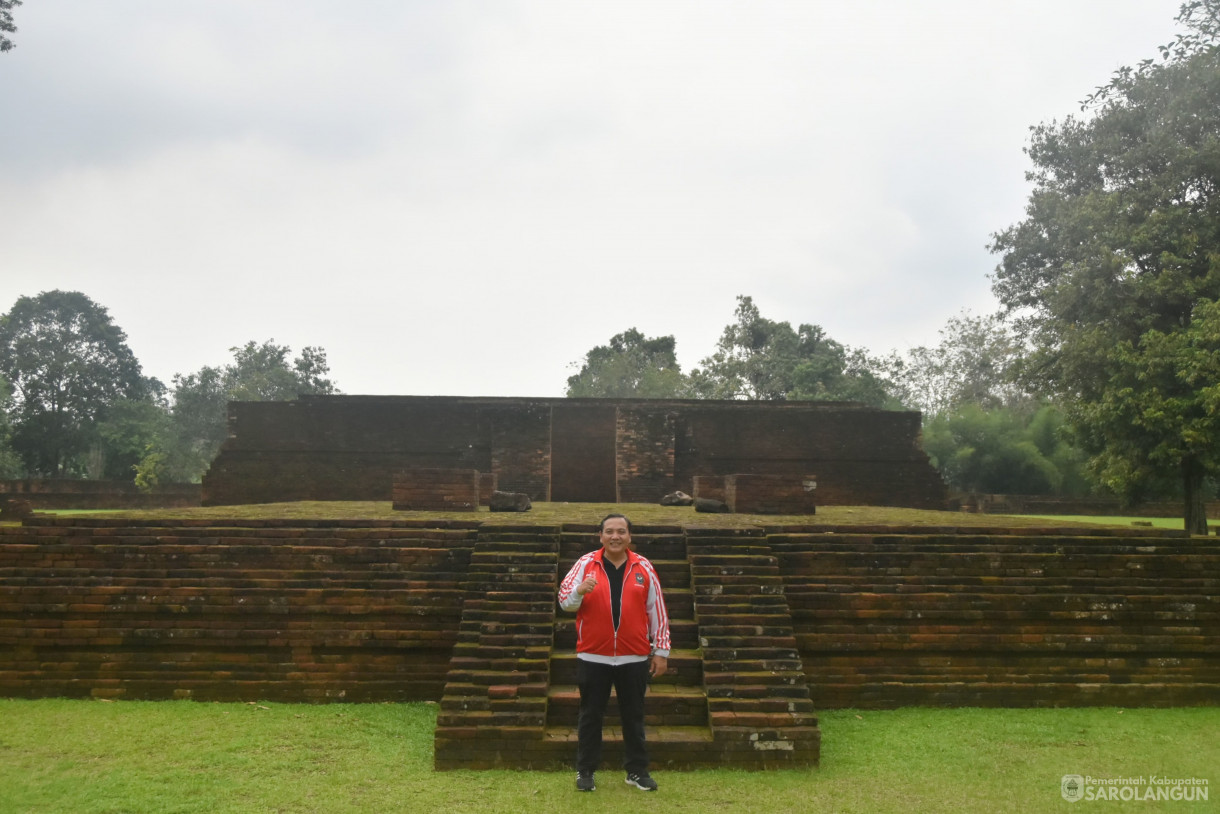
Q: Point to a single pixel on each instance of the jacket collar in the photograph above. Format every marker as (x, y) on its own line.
(632, 557)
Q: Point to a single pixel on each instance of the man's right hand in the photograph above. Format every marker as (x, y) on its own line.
(587, 586)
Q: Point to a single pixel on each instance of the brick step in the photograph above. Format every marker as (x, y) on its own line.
(237, 579)
(490, 718)
(746, 690)
(478, 612)
(523, 554)
(774, 628)
(666, 705)
(505, 582)
(775, 641)
(731, 665)
(714, 679)
(701, 569)
(737, 703)
(495, 627)
(458, 704)
(501, 602)
(737, 589)
(489, 677)
(983, 678)
(459, 690)
(759, 555)
(666, 745)
(684, 667)
(542, 638)
(1178, 582)
(761, 720)
(495, 654)
(772, 599)
(999, 592)
(506, 665)
(491, 561)
(713, 655)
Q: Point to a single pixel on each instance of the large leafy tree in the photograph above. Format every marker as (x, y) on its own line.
(759, 358)
(630, 366)
(1003, 450)
(1115, 270)
(189, 436)
(972, 365)
(68, 364)
(10, 463)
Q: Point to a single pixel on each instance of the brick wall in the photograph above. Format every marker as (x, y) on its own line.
(770, 494)
(521, 448)
(174, 611)
(348, 447)
(644, 455)
(437, 489)
(927, 619)
(370, 611)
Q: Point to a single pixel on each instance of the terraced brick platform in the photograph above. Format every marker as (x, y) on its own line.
(769, 624)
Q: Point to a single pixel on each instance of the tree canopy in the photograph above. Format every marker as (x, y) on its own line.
(758, 358)
(630, 366)
(972, 365)
(6, 24)
(1114, 273)
(68, 364)
(188, 437)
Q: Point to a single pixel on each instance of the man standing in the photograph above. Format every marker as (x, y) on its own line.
(622, 640)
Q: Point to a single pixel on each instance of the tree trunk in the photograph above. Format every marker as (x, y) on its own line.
(1192, 481)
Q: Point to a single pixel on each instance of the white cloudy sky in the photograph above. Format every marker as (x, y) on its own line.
(464, 197)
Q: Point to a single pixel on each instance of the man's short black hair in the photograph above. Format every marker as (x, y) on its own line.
(602, 525)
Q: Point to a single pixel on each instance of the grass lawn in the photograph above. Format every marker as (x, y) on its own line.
(87, 757)
(640, 514)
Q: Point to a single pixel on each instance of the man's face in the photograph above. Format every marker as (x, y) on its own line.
(615, 536)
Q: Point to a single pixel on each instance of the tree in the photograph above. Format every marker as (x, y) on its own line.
(973, 364)
(630, 366)
(68, 363)
(6, 24)
(1004, 450)
(197, 423)
(1114, 273)
(758, 358)
(10, 462)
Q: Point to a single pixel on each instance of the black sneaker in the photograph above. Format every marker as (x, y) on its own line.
(584, 782)
(642, 781)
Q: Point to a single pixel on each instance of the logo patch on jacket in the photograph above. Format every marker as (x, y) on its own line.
(639, 579)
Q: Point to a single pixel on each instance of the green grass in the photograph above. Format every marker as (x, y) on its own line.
(1175, 523)
(552, 513)
(86, 757)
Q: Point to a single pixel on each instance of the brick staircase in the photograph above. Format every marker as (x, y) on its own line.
(759, 704)
(734, 693)
(494, 708)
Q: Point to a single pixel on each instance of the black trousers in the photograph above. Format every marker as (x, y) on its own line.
(630, 682)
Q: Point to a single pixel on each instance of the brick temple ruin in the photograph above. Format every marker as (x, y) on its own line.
(574, 450)
(769, 624)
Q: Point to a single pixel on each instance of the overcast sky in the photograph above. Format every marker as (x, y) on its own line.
(462, 198)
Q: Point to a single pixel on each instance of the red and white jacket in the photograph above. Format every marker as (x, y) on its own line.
(643, 628)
